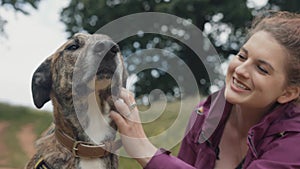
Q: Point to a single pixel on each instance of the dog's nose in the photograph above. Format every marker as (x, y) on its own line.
(106, 46)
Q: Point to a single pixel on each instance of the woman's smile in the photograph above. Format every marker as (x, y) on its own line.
(239, 86)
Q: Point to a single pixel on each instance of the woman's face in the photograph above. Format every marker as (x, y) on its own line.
(256, 76)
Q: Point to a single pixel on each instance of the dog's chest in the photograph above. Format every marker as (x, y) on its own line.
(91, 163)
(98, 128)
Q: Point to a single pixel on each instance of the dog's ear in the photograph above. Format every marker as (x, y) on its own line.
(41, 84)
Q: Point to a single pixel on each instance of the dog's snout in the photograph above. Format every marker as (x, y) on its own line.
(106, 46)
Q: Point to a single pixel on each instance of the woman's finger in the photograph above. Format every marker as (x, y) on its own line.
(118, 119)
(121, 106)
(124, 110)
(128, 98)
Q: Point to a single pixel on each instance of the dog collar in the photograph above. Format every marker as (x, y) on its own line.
(86, 149)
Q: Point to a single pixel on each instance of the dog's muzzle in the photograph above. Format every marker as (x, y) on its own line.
(102, 63)
(107, 51)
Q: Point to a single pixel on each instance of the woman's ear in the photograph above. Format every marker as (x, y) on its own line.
(291, 93)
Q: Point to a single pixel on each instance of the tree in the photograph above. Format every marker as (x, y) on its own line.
(18, 6)
(224, 21)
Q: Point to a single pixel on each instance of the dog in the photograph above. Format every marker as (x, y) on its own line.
(81, 79)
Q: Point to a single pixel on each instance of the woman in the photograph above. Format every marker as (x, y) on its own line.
(260, 124)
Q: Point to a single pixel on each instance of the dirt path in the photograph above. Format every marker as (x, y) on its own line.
(27, 138)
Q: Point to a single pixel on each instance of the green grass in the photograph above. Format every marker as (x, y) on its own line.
(19, 116)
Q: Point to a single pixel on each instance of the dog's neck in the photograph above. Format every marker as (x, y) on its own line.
(86, 121)
(64, 120)
(98, 127)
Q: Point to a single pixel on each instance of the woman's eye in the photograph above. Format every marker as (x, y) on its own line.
(241, 57)
(72, 47)
(261, 69)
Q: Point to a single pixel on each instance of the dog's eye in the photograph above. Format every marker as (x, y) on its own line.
(72, 47)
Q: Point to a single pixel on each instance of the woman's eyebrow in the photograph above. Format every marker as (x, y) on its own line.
(244, 49)
(266, 63)
(259, 60)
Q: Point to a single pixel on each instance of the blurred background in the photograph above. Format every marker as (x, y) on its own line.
(31, 30)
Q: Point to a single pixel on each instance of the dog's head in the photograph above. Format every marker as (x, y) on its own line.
(84, 64)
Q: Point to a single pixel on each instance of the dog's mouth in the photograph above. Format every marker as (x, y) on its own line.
(109, 75)
(103, 79)
(104, 74)
(108, 84)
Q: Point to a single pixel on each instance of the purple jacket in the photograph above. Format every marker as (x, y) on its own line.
(274, 143)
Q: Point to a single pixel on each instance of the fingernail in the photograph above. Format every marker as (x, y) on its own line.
(120, 100)
(111, 112)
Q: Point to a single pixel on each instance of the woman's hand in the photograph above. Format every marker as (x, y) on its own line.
(134, 139)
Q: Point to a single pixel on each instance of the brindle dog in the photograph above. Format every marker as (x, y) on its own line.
(81, 79)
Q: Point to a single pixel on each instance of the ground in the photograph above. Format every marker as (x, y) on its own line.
(26, 139)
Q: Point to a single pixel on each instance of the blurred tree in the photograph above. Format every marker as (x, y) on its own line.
(18, 6)
(223, 21)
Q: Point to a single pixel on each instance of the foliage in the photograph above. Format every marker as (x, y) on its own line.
(225, 23)
(18, 6)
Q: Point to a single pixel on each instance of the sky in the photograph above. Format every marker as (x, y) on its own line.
(30, 39)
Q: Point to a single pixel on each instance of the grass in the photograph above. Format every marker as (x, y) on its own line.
(17, 117)
(158, 120)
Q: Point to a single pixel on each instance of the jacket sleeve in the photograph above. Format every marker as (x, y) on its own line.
(284, 153)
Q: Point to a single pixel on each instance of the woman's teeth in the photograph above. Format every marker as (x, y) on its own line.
(239, 85)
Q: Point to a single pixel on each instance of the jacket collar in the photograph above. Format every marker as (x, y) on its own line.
(216, 110)
(288, 119)
(283, 118)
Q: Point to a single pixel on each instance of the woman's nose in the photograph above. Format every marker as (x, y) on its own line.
(243, 70)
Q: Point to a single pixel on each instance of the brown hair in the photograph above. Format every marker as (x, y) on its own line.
(285, 28)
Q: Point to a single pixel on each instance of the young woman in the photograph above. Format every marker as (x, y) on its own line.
(260, 124)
